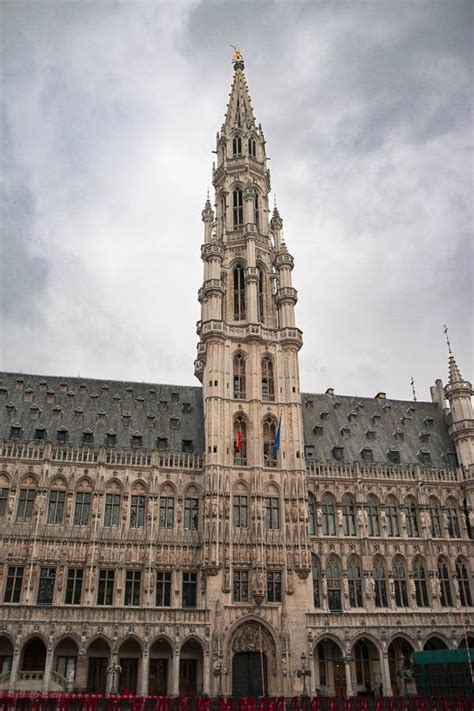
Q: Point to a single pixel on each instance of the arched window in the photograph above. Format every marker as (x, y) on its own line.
(239, 376)
(312, 516)
(260, 296)
(333, 578)
(348, 515)
(223, 214)
(435, 517)
(239, 293)
(238, 208)
(446, 596)
(240, 440)
(463, 583)
(400, 583)
(236, 146)
(268, 391)
(380, 583)
(354, 577)
(316, 575)
(252, 148)
(269, 435)
(257, 211)
(57, 498)
(452, 519)
(328, 509)
(421, 589)
(412, 518)
(391, 512)
(373, 513)
(362, 660)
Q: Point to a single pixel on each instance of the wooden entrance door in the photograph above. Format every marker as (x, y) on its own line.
(339, 678)
(158, 682)
(128, 676)
(97, 675)
(247, 674)
(188, 677)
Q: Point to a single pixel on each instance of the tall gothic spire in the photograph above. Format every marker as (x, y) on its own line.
(239, 109)
(454, 372)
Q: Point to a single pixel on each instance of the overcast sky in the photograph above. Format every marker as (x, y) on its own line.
(109, 119)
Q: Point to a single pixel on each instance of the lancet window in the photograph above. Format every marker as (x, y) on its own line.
(238, 208)
(239, 292)
(240, 440)
(268, 387)
(239, 376)
(269, 436)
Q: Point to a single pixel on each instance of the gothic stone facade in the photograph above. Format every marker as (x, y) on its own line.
(166, 539)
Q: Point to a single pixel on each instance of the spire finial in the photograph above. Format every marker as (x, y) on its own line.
(445, 331)
(237, 58)
(412, 383)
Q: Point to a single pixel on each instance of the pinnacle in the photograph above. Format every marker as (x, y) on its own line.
(454, 372)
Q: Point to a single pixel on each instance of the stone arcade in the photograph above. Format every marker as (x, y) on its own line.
(185, 540)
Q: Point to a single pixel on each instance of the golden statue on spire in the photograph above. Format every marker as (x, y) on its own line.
(237, 54)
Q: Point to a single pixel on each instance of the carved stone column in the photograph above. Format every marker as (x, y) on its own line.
(81, 672)
(347, 669)
(387, 683)
(47, 669)
(145, 671)
(14, 670)
(206, 674)
(175, 675)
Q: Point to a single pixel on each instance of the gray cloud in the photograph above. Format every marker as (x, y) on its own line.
(113, 108)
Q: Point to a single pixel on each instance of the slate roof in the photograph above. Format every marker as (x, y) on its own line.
(172, 412)
(380, 425)
(83, 406)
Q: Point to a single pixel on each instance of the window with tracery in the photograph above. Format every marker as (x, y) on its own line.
(268, 386)
(239, 376)
(238, 208)
(435, 518)
(236, 146)
(400, 583)
(380, 584)
(421, 588)
(240, 440)
(411, 518)
(348, 515)
(373, 514)
(328, 510)
(462, 575)
(333, 579)
(354, 577)
(452, 519)
(269, 442)
(446, 597)
(239, 292)
(260, 295)
(391, 512)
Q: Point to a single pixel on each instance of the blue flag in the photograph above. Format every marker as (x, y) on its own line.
(276, 446)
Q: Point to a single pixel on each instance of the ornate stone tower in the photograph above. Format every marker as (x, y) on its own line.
(256, 556)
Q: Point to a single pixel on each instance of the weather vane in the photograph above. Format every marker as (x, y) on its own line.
(412, 383)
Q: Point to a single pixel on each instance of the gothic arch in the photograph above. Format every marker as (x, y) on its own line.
(329, 637)
(437, 636)
(58, 482)
(99, 637)
(366, 636)
(126, 638)
(114, 486)
(67, 635)
(5, 479)
(163, 636)
(84, 484)
(139, 487)
(28, 479)
(402, 635)
(194, 638)
(167, 488)
(244, 636)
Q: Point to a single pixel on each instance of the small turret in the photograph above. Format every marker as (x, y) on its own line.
(208, 219)
(458, 392)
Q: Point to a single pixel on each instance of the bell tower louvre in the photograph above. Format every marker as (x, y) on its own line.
(238, 536)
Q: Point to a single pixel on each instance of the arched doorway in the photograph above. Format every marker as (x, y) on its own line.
(253, 649)
(65, 663)
(33, 659)
(400, 663)
(98, 658)
(329, 668)
(6, 656)
(129, 657)
(467, 642)
(368, 672)
(161, 656)
(434, 643)
(190, 668)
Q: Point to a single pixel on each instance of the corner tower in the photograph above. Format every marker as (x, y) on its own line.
(255, 536)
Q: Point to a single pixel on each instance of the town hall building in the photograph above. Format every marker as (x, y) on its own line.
(239, 536)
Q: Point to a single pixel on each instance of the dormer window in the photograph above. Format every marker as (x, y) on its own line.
(15, 431)
(338, 453)
(186, 407)
(318, 430)
(162, 443)
(451, 459)
(163, 405)
(424, 435)
(345, 432)
(370, 434)
(62, 435)
(175, 397)
(309, 403)
(324, 415)
(187, 445)
(309, 451)
(393, 455)
(375, 418)
(87, 438)
(110, 439)
(367, 455)
(399, 434)
(252, 148)
(237, 146)
(174, 423)
(137, 440)
(40, 434)
(337, 403)
(352, 415)
(424, 456)
(428, 421)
